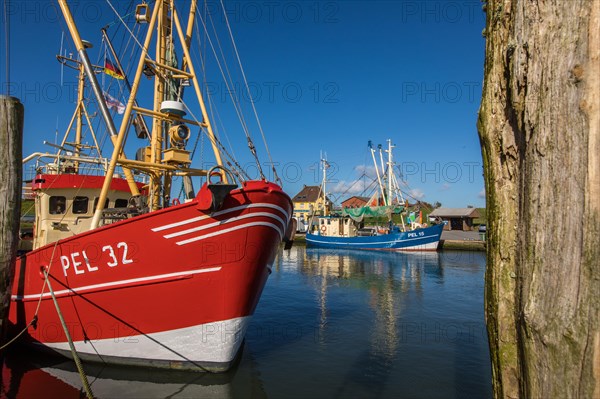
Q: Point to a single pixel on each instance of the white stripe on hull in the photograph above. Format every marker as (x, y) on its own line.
(225, 231)
(216, 342)
(370, 245)
(224, 211)
(221, 223)
(430, 246)
(226, 221)
(117, 284)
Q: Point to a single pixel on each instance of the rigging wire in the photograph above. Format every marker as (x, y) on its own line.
(164, 76)
(340, 195)
(250, 95)
(231, 160)
(235, 102)
(230, 78)
(124, 24)
(214, 110)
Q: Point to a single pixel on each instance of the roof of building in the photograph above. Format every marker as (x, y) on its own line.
(356, 197)
(456, 212)
(308, 194)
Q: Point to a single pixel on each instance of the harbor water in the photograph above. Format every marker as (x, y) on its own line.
(330, 324)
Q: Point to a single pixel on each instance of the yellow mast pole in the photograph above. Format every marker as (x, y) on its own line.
(190, 25)
(64, 140)
(80, 88)
(209, 129)
(123, 129)
(156, 143)
(188, 185)
(101, 104)
(87, 118)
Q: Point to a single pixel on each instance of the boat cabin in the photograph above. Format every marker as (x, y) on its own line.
(337, 226)
(65, 204)
(341, 226)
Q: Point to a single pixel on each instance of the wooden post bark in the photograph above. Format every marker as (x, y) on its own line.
(11, 142)
(539, 127)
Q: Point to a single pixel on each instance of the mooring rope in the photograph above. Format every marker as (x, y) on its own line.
(84, 380)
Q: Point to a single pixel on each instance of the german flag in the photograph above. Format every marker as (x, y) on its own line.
(112, 70)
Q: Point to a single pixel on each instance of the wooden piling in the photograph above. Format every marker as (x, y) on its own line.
(11, 143)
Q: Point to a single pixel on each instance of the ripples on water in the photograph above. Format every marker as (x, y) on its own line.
(329, 324)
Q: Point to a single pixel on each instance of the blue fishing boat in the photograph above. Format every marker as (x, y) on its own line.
(420, 239)
(348, 230)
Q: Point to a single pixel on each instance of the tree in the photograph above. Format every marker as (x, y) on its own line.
(539, 127)
(437, 204)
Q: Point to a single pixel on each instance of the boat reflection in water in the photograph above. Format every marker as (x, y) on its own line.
(375, 289)
(387, 277)
(29, 374)
(392, 323)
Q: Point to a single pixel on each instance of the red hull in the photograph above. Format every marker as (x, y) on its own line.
(172, 288)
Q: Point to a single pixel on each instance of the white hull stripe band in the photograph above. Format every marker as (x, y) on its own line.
(120, 283)
(225, 211)
(226, 221)
(224, 231)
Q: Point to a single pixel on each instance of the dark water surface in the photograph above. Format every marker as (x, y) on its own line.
(331, 324)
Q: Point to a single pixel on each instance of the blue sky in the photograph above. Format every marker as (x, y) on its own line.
(325, 77)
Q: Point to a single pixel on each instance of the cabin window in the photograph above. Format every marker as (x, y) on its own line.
(121, 203)
(96, 203)
(80, 205)
(57, 205)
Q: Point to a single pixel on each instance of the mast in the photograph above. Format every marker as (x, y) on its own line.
(205, 120)
(323, 185)
(78, 128)
(160, 183)
(376, 168)
(190, 29)
(166, 155)
(89, 70)
(384, 174)
(118, 141)
(80, 111)
(389, 172)
(163, 29)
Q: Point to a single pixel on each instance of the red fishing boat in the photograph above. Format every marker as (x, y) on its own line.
(120, 273)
